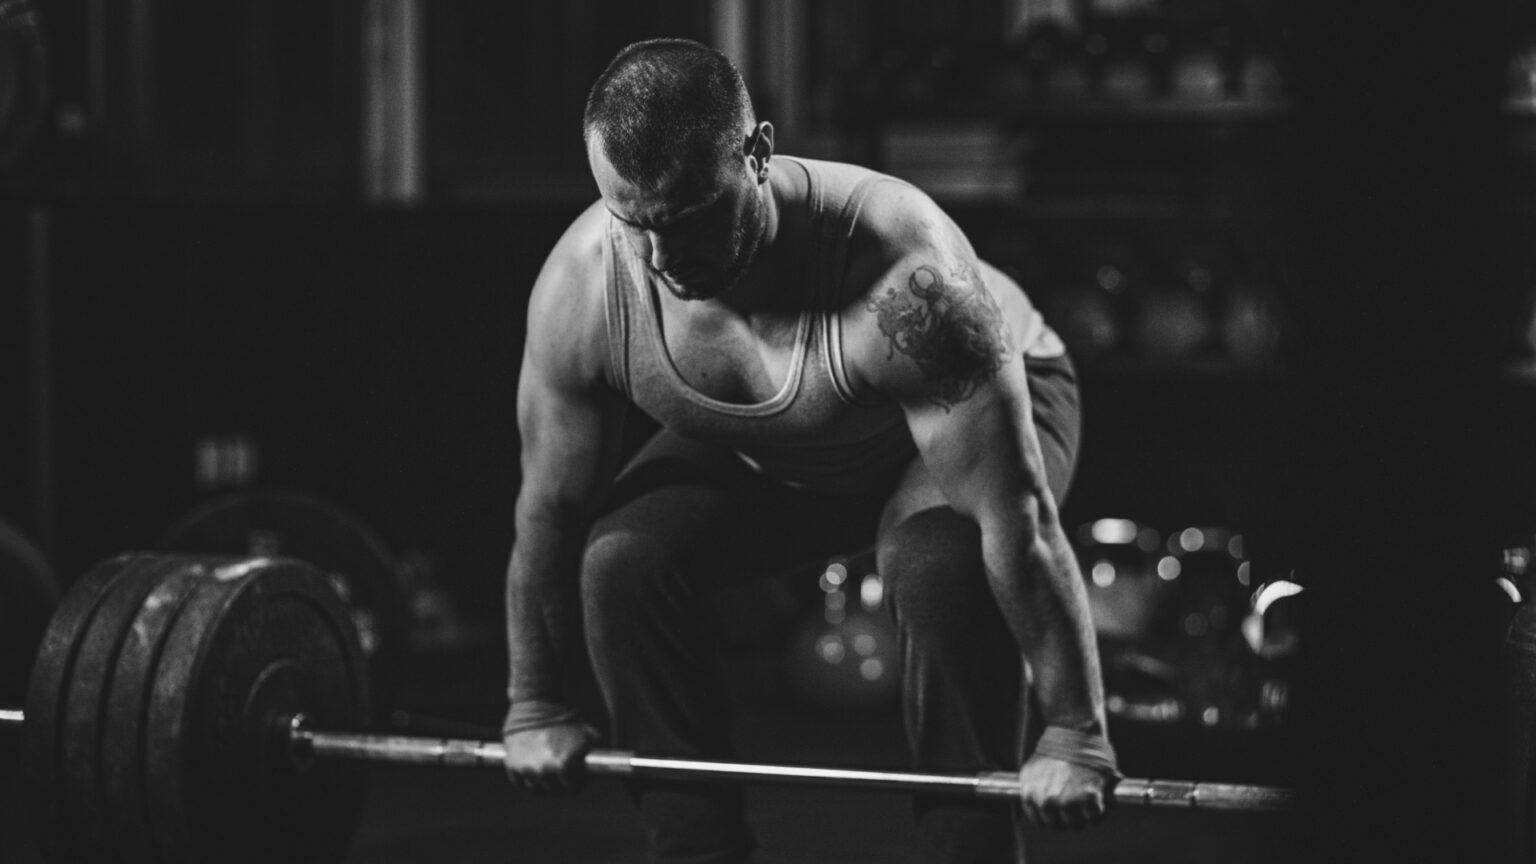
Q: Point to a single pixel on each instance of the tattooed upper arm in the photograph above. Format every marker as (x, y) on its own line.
(940, 315)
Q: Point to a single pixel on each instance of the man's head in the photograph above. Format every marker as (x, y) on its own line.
(679, 158)
(664, 104)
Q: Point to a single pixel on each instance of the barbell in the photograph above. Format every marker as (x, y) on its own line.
(187, 709)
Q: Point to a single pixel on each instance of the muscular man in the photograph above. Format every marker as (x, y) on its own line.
(830, 364)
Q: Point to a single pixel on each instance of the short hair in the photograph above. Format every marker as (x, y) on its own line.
(663, 101)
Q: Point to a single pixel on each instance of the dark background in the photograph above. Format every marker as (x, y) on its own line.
(191, 248)
(216, 266)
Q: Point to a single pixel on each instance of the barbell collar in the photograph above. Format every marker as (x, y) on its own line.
(11, 718)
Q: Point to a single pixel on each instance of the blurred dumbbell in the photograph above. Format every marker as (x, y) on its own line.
(1274, 624)
(1198, 75)
(1127, 597)
(1212, 574)
(1086, 318)
(1262, 79)
(1516, 574)
(1142, 688)
(1520, 78)
(1515, 794)
(1089, 306)
(1271, 628)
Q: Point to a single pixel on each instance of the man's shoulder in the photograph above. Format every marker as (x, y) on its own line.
(901, 215)
(573, 270)
(578, 254)
(566, 313)
(914, 286)
(896, 222)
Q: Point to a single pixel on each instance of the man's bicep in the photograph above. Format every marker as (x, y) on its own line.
(931, 324)
(567, 433)
(567, 412)
(983, 451)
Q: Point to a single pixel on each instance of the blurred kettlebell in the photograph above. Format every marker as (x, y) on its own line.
(844, 655)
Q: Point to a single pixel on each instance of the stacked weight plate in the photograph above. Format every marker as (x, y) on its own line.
(154, 727)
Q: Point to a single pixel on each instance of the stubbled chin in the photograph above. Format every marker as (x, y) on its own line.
(706, 291)
(691, 293)
(718, 284)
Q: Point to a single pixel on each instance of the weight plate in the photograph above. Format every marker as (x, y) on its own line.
(326, 535)
(85, 721)
(122, 774)
(43, 735)
(261, 639)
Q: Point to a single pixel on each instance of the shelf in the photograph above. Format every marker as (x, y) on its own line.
(1181, 109)
(1126, 206)
(1209, 369)
(1148, 110)
(1220, 370)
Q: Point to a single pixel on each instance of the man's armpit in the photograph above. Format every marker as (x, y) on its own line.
(949, 325)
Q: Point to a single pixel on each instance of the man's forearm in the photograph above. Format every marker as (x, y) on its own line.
(543, 604)
(1041, 594)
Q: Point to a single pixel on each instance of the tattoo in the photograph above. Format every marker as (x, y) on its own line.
(953, 330)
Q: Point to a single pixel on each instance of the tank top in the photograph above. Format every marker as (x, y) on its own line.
(815, 433)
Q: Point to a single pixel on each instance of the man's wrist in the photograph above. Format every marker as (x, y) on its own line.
(1090, 749)
(525, 714)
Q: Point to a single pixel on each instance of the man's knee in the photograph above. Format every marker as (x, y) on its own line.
(624, 573)
(932, 561)
(953, 633)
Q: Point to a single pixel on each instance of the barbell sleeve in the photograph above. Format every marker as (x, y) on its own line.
(440, 751)
(1205, 796)
(11, 718)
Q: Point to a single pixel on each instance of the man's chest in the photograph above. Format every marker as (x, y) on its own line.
(731, 358)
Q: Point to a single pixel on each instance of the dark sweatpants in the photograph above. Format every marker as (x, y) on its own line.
(688, 518)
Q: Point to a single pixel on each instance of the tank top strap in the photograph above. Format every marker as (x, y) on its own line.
(837, 215)
(618, 299)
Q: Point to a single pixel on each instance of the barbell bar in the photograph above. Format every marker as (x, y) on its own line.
(462, 753)
(997, 784)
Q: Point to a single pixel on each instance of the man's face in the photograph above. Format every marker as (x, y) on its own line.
(698, 231)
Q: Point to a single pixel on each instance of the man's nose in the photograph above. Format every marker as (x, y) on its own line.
(663, 251)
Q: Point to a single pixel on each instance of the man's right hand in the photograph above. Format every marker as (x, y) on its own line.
(549, 759)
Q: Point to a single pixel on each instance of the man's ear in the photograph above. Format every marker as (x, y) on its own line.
(759, 148)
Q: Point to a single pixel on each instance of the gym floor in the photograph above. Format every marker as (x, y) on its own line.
(422, 814)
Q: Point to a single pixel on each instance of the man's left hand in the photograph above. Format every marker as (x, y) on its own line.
(1059, 794)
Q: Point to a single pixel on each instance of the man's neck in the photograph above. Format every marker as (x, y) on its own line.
(780, 259)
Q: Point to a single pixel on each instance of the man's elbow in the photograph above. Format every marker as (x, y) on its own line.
(549, 511)
(1017, 527)
(1023, 506)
